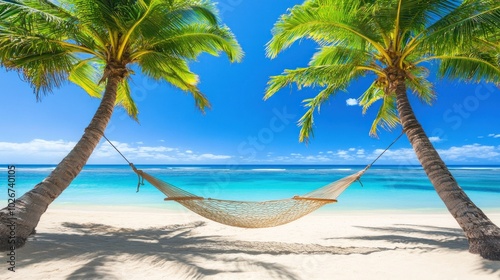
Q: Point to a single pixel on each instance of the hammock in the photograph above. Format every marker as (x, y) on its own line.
(250, 214)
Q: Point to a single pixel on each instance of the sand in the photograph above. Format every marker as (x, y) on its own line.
(94, 242)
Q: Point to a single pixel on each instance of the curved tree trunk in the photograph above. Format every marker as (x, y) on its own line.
(23, 215)
(483, 235)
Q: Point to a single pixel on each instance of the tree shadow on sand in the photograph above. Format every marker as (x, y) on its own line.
(425, 238)
(179, 244)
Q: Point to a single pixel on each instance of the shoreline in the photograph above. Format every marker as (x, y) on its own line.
(137, 242)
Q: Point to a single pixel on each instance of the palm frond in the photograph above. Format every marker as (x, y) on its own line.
(174, 16)
(306, 122)
(326, 22)
(314, 76)
(473, 67)
(201, 101)
(104, 14)
(461, 26)
(340, 55)
(387, 116)
(44, 76)
(370, 96)
(192, 40)
(158, 65)
(417, 81)
(26, 11)
(416, 15)
(87, 74)
(124, 99)
(44, 71)
(194, 11)
(176, 72)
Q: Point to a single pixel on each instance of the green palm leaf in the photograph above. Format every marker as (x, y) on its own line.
(370, 96)
(306, 122)
(421, 87)
(124, 99)
(387, 116)
(326, 22)
(87, 74)
(474, 67)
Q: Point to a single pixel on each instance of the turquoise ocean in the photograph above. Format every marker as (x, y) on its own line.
(384, 187)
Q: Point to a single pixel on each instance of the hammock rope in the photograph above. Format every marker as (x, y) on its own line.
(253, 214)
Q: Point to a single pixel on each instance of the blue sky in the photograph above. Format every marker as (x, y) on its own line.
(241, 128)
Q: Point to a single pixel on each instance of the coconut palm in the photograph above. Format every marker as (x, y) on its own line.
(95, 44)
(394, 42)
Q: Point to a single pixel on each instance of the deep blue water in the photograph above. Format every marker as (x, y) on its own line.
(384, 187)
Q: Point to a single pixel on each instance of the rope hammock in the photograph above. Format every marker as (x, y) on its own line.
(252, 214)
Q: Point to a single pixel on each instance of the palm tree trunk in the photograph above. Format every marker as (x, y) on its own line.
(25, 214)
(483, 235)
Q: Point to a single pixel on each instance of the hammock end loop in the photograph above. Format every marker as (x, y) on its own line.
(140, 182)
(140, 178)
(361, 183)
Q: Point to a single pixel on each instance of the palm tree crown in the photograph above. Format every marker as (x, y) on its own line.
(390, 39)
(87, 40)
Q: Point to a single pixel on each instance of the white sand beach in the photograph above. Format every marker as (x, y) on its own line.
(150, 243)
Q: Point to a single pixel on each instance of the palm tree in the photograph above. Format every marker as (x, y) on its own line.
(392, 41)
(94, 44)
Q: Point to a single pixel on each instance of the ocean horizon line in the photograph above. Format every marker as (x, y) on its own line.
(249, 164)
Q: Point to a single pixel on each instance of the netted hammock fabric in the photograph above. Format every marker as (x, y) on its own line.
(250, 214)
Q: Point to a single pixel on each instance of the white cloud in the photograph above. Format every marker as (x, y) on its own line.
(360, 153)
(212, 156)
(345, 155)
(351, 102)
(474, 151)
(52, 151)
(38, 145)
(157, 154)
(494, 135)
(159, 149)
(435, 139)
(317, 158)
(402, 155)
(35, 151)
(456, 154)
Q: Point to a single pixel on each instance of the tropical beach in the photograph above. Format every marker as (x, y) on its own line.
(167, 147)
(392, 227)
(136, 243)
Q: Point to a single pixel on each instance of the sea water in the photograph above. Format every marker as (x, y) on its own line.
(381, 188)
